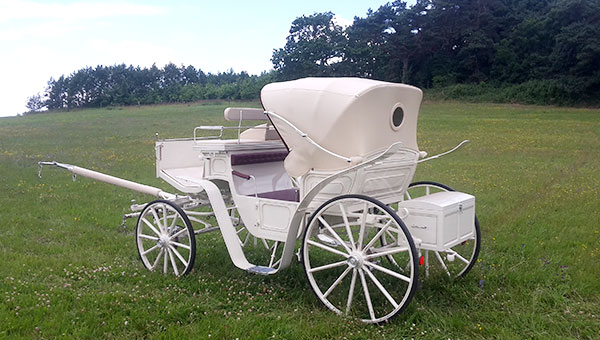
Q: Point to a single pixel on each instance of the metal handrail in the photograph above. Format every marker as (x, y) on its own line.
(221, 129)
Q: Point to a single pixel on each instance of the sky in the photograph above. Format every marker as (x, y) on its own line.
(43, 39)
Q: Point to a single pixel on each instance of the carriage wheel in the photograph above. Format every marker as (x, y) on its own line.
(458, 260)
(342, 259)
(165, 238)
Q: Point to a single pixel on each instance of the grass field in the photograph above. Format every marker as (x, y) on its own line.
(68, 270)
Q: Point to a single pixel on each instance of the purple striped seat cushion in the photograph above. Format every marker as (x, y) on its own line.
(258, 157)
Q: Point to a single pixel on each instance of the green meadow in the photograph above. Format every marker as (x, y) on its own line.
(68, 269)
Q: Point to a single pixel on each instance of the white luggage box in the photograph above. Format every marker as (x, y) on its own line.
(440, 220)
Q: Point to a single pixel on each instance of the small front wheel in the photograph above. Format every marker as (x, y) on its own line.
(344, 260)
(165, 238)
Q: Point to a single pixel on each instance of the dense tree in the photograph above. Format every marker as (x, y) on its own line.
(552, 43)
(35, 103)
(129, 85)
(313, 48)
(365, 54)
(56, 94)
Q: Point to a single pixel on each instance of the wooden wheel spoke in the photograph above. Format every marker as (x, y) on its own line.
(173, 263)
(181, 245)
(381, 288)
(174, 251)
(165, 216)
(147, 251)
(351, 291)
(327, 266)
(386, 253)
(387, 271)
(363, 225)
(334, 234)
(455, 253)
(367, 296)
(441, 261)
(347, 225)
(150, 226)
(166, 262)
(337, 282)
(378, 235)
(328, 248)
(177, 234)
(148, 237)
(157, 259)
(174, 222)
(156, 219)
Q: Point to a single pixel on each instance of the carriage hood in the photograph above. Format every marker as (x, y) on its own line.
(352, 117)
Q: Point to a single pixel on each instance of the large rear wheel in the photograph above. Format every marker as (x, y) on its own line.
(343, 259)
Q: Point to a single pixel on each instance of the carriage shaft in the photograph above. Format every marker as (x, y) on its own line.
(145, 189)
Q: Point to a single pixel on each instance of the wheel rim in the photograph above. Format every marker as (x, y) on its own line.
(344, 260)
(165, 239)
(458, 260)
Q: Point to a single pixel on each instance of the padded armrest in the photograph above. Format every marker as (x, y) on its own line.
(241, 174)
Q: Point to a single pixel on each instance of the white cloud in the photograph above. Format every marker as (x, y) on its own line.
(21, 9)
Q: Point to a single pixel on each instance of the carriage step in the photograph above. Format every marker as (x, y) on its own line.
(262, 270)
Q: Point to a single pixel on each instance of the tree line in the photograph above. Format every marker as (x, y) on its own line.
(117, 85)
(539, 51)
(548, 49)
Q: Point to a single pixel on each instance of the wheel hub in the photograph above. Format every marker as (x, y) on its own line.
(355, 260)
(163, 241)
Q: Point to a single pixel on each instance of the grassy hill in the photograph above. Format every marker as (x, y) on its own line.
(68, 269)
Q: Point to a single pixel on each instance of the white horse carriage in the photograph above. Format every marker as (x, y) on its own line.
(325, 176)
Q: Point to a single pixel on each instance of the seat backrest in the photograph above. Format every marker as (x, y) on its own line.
(258, 157)
(238, 113)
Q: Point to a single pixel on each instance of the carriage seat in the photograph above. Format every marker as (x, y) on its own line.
(262, 174)
(262, 132)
